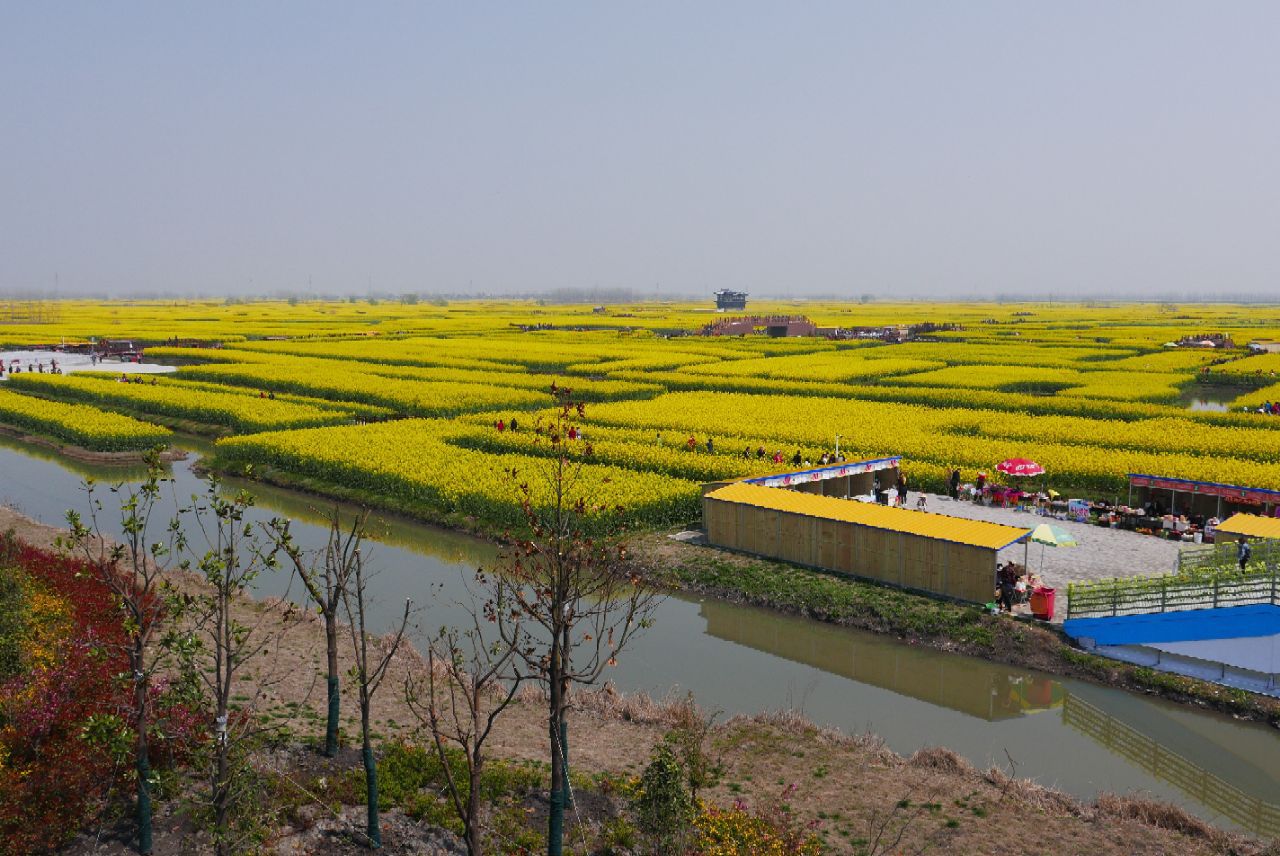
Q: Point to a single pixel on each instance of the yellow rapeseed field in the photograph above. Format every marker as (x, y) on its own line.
(1092, 392)
(79, 424)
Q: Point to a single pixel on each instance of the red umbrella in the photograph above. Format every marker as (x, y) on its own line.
(1020, 467)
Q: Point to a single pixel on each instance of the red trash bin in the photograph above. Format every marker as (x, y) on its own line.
(1042, 603)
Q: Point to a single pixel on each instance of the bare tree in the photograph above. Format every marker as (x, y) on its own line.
(577, 603)
(469, 682)
(326, 577)
(237, 553)
(368, 674)
(135, 571)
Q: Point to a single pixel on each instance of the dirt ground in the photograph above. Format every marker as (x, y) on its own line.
(858, 795)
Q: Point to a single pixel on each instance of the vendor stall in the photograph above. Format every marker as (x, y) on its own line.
(1159, 496)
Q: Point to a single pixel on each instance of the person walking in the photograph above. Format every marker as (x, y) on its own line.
(711, 446)
(902, 490)
(1244, 552)
(955, 483)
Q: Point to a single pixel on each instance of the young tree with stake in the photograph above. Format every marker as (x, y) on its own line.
(229, 638)
(469, 682)
(135, 571)
(368, 672)
(326, 578)
(573, 604)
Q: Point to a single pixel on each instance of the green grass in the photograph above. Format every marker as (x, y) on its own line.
(842, 600)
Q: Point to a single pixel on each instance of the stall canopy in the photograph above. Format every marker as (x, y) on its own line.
(1209, 498)
(793, 478)
(1251, 525)
(1020, 467)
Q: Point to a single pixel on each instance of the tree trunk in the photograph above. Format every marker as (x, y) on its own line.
(221, 797)
(564, 757)
(331, 643)
(371, 779)
(555, 820)
(474, 847)
(143, 760)
(222, 784)
(564, 718)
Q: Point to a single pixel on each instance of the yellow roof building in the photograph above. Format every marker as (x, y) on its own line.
(957, 530)
(1252, 525)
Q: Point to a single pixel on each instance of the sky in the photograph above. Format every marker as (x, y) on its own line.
(786, 149)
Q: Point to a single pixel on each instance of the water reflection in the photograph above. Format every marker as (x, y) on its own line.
(84, 469)
(1239, 785)
(1203, 404)
(971, 686)
(1235, 775)
(1209, 396)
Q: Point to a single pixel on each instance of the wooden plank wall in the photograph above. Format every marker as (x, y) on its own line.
(941, 567)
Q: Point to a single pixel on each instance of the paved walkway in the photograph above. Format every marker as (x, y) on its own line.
(71, 363)
(1103, 553)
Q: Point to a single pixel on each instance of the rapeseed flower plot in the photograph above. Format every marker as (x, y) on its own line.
(79, 424)
(236, 409)
(409, 464)
(1091, 392)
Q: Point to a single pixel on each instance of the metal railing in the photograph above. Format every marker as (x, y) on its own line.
(1223, 554)
(1204, 588)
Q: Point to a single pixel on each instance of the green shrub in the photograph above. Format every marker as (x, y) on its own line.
(663, 806)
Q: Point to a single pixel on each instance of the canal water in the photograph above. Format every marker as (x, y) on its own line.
(1068, 734)
(1209, 396)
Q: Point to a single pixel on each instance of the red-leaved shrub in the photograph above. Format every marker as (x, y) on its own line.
(51, 779)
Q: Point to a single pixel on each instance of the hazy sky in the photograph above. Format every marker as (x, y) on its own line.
(895, 148)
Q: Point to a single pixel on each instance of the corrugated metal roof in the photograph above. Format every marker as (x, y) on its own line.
(1251, 525)
(958, 530)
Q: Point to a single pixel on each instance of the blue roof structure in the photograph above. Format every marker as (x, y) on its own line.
(1231, 622)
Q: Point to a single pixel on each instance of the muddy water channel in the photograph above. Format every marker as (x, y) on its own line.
(1208, 396)
(1068, 734)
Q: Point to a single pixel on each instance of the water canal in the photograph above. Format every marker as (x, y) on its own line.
(1068, 734)
(1210, 396)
